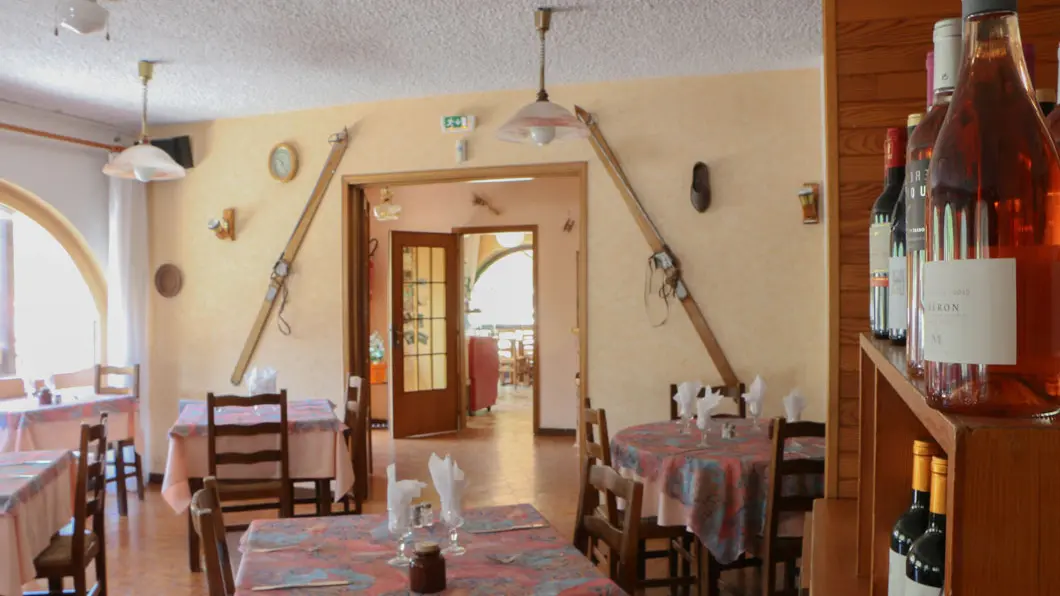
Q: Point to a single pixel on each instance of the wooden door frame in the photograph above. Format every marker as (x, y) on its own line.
(532, 229)
(355, 266)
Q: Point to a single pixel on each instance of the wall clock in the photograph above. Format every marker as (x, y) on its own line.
(283, 162)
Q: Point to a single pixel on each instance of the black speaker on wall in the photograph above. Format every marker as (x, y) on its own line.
(179, 148)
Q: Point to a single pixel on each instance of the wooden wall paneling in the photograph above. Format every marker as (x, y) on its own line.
(882, 86)
(832, 200)
(879, 113)
(863, 141)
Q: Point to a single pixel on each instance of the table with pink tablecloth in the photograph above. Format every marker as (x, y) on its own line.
(718, 492)
(25, 425)
(36, 500)
(355, 549)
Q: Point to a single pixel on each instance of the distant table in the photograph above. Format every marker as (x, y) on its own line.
(25, 425)
(36, 500)
(356, 549)
(719, 492)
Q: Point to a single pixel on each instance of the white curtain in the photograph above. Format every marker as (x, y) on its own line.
(128, 281)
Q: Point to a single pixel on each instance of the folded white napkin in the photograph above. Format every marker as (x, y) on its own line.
(755, 392)
(686, 392)
(794, 404)
(399, 495)
(705, 405)
(449, 481)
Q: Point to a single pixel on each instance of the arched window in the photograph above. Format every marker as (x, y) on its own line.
(503, 294)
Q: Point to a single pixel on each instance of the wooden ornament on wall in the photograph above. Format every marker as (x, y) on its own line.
(168, 280)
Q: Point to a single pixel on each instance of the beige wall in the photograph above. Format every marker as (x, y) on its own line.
(546, 203)
(755, 268)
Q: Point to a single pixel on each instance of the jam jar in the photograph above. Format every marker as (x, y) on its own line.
(427, 570)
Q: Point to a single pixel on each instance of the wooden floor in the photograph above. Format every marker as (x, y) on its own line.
(504, 462)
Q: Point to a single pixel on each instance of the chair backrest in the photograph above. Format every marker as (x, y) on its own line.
(12, 388)
(214, 430)
(596, 445)
(357, 420)
(621, 536)
(79, 378)
(734, 392)
(210, 526)
(104, 387)
(91, 488)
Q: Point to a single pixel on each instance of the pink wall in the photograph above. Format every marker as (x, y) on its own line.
(544, 202)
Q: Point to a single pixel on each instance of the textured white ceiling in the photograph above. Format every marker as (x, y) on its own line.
(242, 57)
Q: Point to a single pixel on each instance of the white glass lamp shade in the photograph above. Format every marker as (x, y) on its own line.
(541, 123)
(510, 239)
(386, 211)
(83, 17)
(145, 163)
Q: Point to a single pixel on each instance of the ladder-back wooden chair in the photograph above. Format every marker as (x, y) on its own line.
(75, 379)
(12, 388)
(276, 490)
(619, 534)
(81, 543)
(210, 526)
(358, 442)
(124, 468)
(733, 392)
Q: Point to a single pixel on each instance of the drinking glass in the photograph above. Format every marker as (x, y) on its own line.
(703, 422)
(755, 408)
(400, 526)
(453, 520)
(686, 423)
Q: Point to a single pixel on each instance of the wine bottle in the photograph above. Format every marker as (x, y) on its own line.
(914, 522)
(1046, 99)
(925, 567)
(896, 265)
(1053, 119)
(991, 309)
(880, 229)
(942, 75)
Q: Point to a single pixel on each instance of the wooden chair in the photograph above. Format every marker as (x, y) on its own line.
(12, 388)
(620, 535)
(358, 442)
(79, 378)
(276, 491)
(787, 550)
(77, 545)
(210, 526)
(597, 448)
(734, 392)
(123, 469)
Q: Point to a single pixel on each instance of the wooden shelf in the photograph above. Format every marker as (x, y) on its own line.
(834, 537)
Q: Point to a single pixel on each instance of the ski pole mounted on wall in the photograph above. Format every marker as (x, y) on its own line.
(282, 268)
(662, 255)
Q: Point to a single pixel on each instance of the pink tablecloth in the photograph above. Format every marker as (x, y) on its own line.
(718, 492)
(25, 425)
(317, 448)
(36, 500)
(356, 549)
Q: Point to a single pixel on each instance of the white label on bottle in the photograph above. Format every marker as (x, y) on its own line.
(895, 574)
(970, 311)
(914, 589)
(879, 247)
(896, 293)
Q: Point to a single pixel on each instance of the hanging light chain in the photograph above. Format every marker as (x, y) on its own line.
(143, 113)
(543, 19)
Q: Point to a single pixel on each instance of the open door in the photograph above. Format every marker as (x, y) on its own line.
(424, 324)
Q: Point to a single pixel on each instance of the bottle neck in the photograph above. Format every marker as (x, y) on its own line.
(921, 499)
(995, 37)
(895, 175)
(937, 523)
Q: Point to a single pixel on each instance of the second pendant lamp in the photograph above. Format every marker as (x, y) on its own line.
(143, 161)
(542, 121)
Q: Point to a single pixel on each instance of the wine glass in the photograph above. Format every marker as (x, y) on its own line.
(400, 526)
(686, 422)
(755, 408)
(453, 520)
(703, 422)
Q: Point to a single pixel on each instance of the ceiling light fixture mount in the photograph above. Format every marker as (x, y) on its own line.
(542, 122)
(143, 161)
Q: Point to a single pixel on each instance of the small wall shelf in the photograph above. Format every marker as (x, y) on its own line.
(1003, 515)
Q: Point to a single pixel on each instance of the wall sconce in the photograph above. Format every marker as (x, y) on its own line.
(224, 228)
(808, 198)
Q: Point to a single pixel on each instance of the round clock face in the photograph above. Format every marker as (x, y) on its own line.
(283, 163)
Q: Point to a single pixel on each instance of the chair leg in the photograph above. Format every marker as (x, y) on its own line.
(686, 565)
(101, 571)
(708, 573)
(55, 585)
(642, 561)
(194, 563)
(671, 562)
(139, 474)
(80, 583)
(120, 475)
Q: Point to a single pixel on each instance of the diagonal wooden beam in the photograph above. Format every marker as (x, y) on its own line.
(663, 256)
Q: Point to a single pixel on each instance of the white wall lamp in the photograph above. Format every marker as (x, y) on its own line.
(143, 161)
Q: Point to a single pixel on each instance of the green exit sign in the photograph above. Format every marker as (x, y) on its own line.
(458, 123)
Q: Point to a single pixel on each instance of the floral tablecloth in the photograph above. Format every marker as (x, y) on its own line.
(302, 416)
(718, 492)
(356, 549)
(36, 500)
(25, 425)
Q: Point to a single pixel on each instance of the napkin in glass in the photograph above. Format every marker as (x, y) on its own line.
(705, 405)
(794, 404)
(686, 393)
(399, 495)
(449, 481)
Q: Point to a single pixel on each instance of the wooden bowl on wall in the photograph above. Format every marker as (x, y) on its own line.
(168, 280)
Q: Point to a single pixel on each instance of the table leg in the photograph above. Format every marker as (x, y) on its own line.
(323, 497)
(194, 485)
(119, 474)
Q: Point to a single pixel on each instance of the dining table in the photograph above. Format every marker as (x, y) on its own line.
(719, 491)
(511, 549)
(27, 425)
(36, 501)
(317, 452)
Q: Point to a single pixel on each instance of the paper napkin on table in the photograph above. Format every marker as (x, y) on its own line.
(399, 495)
(755, 392)
(686, 392)
(449, 481)
(794, 404)
(705, 405)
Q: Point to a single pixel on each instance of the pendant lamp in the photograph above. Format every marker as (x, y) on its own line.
(143, 161)
(386, 210)
(542, 122)
(83, 17)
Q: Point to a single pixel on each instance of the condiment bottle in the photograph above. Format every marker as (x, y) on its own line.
(427, 570)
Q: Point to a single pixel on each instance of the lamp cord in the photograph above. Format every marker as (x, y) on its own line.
(667, 288)
(143, 113)
(542, 95)
(281, 323)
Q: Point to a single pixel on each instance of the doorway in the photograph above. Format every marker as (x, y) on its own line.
(452, 202)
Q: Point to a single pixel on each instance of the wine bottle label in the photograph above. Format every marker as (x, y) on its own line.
(896, 316)
(895, 574)
(970, 311)
(915, 196)
(914, 589)
(879, 247)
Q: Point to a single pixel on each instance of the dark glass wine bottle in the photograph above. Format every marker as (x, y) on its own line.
(942, 76)
(1046, 100)
(991, 309)
(880, 229)
(896, 264)
(1052, 120)
(914, 522)
(925, 567)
